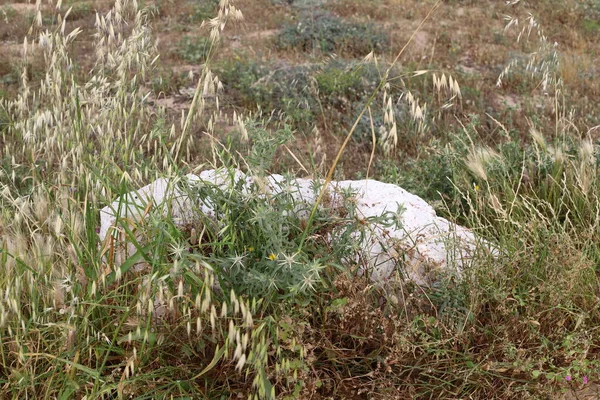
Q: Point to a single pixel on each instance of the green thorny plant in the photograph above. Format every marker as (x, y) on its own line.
(249, 238)
(253, 231)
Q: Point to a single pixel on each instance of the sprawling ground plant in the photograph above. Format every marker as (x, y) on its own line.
(326, 33)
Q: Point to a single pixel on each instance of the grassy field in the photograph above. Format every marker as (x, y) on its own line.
(487, 110)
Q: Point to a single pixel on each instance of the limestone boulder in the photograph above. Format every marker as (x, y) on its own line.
(417, 247)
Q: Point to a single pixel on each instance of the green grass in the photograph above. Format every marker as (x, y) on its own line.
(261, 301)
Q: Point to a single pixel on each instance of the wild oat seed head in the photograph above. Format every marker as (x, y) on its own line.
(478, 159)
(587, 151)
(537, 137)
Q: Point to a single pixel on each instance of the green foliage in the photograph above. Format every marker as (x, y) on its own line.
(437, 163)
(336, 81)
(559, 178)
(326, 33)
(590, 27)
(254, 245)
(231, 302)
(8, 73)
(168, 81)
(537, 202)
(589, 9)
(273, 88)
(253, 237)
(265, 144)
(8, 12)
(202, 10)
(241, 76)
(79, 9)
(333, 92)
(194, 49)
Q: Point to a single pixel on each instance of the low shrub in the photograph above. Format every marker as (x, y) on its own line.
(201, 10)
(193, 49)
(272, 88)
(589, 9)
(437, 163)
(326, 33)
(331, 94)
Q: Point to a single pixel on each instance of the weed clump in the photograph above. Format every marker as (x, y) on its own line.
(325, 33)
(202, 10)
(254, 237)
(279, 88)
(194, 49)
(331, 93)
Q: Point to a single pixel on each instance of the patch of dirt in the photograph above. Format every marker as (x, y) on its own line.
(21, 8)
(15, 50)
(589, 392)
(421, 42)
(240, 41)
(468, 66)
(508, 101)
(173, 103)
(263, 34)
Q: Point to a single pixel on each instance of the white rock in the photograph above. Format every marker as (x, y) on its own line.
(423, 244)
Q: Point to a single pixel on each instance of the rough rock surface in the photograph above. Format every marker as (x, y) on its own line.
(425, 243)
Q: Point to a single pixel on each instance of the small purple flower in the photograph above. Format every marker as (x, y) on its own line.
(568, 378)
(585, 380)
